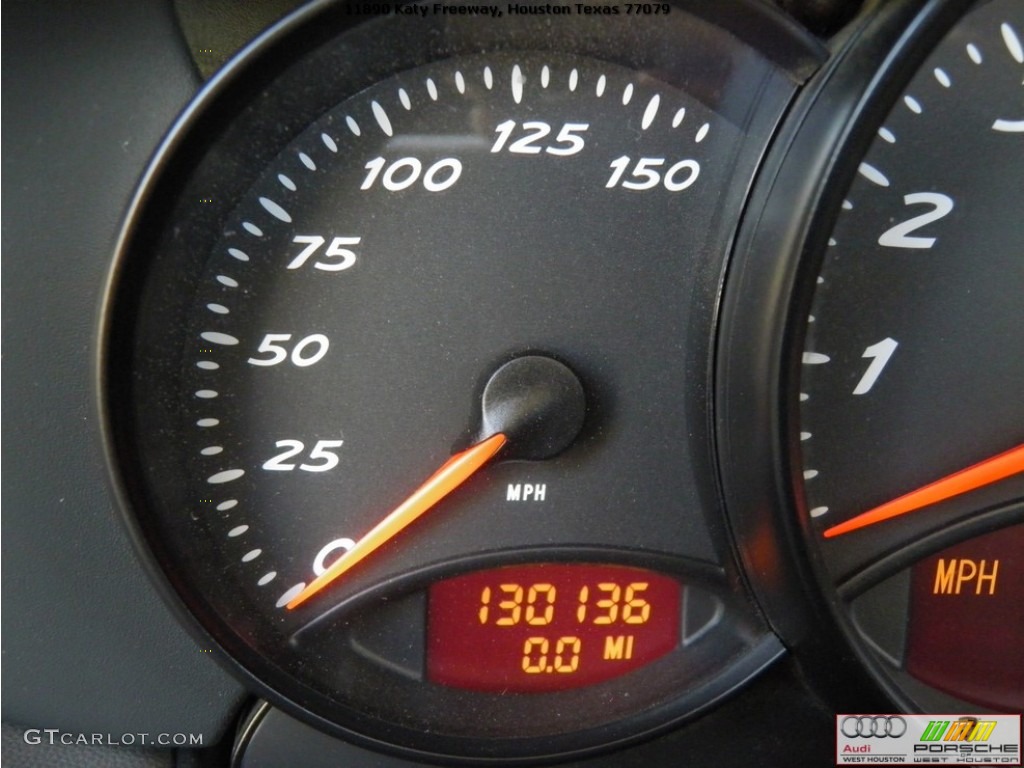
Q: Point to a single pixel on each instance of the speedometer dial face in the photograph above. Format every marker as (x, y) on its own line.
(334, 335)
(409, 384)
(911, 416)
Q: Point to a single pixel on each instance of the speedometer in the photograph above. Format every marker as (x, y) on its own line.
(408, 364)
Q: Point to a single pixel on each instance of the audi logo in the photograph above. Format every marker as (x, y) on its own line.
(873, 726)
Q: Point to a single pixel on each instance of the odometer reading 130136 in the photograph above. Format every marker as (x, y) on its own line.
(549, 627)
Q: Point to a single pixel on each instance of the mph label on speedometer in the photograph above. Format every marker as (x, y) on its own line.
(928, 739)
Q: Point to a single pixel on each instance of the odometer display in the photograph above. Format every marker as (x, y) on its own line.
(549, 627)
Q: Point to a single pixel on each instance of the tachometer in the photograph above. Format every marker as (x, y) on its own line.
(408, 356)
(875, 334)
(911, 419)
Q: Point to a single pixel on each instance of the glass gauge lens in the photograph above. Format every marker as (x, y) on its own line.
(911, 416)
(386, 330)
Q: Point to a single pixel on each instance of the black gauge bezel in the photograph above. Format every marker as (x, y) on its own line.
(180, 167)
(767, 297)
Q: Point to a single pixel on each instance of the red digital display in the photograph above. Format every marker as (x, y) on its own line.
(549, 627)
(966, 620)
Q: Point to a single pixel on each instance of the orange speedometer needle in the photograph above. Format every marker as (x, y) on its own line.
(453, 473)
(983, 473)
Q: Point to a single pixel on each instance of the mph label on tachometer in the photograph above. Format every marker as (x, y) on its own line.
(928, 739)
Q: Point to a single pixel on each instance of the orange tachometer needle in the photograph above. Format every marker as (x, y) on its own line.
(981, 474)
(453, 473)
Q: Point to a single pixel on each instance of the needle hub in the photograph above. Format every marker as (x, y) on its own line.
(537, 403)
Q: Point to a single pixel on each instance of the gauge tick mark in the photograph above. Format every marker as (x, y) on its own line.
(382, 118)
(1008, 126)
(517, 84)
(873, 175)
(1013, 44)
(291, 593)
(227, 476)
(216, 337)
(275, 210)
(651, 112)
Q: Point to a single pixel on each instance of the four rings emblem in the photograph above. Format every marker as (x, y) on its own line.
(873, 726)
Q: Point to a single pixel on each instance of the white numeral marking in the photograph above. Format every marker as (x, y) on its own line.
(899, 236)
(677, 178)
(327, 459)
(536, 131)
(405, 171)
(346, 257)
(320, 564)
(880, 354)
(278, 353)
